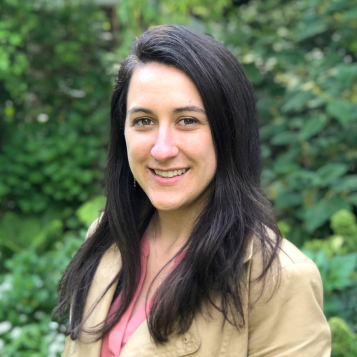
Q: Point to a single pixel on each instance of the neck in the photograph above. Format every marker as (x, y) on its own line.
(171, 229)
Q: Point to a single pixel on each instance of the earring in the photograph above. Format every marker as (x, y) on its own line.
(134, 182)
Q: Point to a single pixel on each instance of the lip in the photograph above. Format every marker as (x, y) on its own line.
(170, 169)
(168, 180)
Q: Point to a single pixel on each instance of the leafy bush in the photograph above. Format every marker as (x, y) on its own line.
(28, 293)
(344, 341)
(56, 80)
(337, 262)
(343, 223)
(28, 289)
(301, 57)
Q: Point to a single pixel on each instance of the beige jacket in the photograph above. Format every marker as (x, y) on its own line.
(290, 324)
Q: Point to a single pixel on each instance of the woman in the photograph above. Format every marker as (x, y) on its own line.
(186, 258)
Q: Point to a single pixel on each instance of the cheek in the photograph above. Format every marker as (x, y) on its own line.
(130, 151)
(132, 157)
(208, 153)
(137, 151)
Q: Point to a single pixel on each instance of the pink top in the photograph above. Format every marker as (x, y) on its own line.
(114, 341)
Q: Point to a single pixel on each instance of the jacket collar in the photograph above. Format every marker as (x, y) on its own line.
(95, 312)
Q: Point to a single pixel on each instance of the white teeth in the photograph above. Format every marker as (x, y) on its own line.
(170, 173)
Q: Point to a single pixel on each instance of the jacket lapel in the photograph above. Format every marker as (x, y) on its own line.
(94, 312)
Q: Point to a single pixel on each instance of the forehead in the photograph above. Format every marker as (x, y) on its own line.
(154, 82)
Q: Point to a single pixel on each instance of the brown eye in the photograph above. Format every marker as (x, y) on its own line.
(187, 121)
(144, 122)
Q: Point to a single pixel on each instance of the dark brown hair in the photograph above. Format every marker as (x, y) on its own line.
(237, 210)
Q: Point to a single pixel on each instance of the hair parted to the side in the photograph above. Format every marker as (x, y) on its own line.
(237, 210)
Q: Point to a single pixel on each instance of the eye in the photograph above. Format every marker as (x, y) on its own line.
(187, 121)
(143, 122)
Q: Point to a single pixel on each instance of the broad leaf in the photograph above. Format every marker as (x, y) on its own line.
(311, 127)
(310, 28)
(341, 269)
(322, 211)
(330, 172)
(89, 211)
(342, 110)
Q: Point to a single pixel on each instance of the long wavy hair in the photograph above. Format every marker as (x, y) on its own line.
(236, 210)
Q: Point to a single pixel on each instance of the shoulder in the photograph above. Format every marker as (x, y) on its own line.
(289, 257)
(286, 315)
(295, 264)
(93, 227)
(291, 272)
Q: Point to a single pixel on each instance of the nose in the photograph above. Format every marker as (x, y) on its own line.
(165, 147)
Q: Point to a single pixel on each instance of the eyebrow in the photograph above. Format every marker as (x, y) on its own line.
(190, 108)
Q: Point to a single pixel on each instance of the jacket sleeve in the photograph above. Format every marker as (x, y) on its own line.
(290, 322)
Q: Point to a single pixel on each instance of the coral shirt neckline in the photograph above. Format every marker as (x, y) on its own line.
(114, 341)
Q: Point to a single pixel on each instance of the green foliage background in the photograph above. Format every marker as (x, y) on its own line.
(58, 61)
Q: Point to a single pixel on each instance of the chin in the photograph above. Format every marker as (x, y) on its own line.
(166, 205)
(168, 208)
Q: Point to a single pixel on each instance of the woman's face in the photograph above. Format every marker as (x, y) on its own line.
(168, 138)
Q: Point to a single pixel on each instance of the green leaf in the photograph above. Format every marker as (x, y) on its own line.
(288, 200)
(330, 172)
(346, 184)
(36, 177)
(296, 101)
(4, 189)
(311, 127)
(332, 304)
(253, 73)
(303, 178)
(322, 211)
(321, 260)
(297, 235)
(89, 211)
(285, 162)
(18, 232)
(347, 74)
(309, 29)
(352, 199)
(342, 110)
(51, 230)
(284, 138)
(341, 269)
(350, 15)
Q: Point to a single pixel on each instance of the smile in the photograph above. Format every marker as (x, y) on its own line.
(171, 173)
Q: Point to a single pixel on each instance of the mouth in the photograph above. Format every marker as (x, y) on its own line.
(169, 173)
